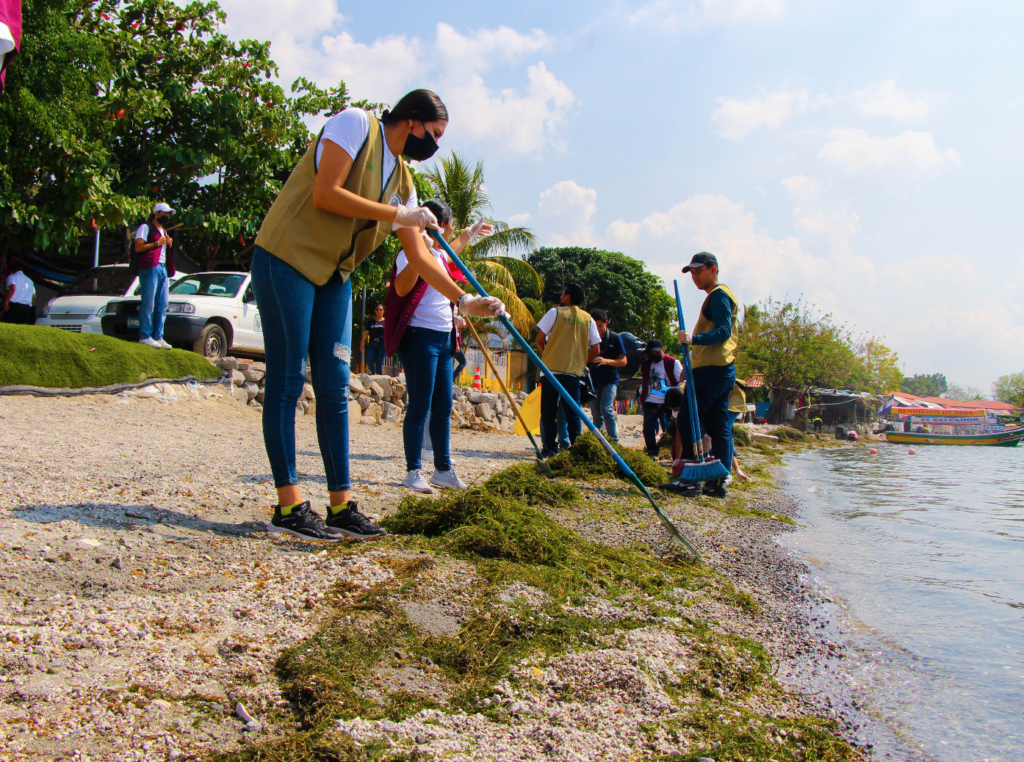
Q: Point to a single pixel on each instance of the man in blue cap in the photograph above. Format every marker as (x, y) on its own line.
(713, 354)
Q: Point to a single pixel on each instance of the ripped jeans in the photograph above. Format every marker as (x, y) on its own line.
(301, 319)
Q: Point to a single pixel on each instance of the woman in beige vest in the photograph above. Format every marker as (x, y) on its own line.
(340, 202)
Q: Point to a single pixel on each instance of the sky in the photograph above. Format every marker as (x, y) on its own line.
(866, 157)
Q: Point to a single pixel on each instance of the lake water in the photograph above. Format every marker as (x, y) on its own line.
(925, 556)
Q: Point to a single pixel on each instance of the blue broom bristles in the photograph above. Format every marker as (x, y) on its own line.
(702, 472)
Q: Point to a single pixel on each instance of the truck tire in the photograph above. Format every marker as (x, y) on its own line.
(212, 342)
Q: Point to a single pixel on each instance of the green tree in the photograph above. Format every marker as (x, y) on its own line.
(461, 186)
(879, 368)
(635, 299)
(921, 385)
(1010, 389)
(963, 393)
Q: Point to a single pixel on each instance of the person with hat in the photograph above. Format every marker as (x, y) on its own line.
(568, 340)
(344, 197)
(156, 266)
(659, 372)
(713, 355)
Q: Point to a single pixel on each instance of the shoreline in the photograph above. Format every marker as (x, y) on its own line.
(644, 655)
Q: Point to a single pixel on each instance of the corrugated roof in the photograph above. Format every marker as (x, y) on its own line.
(973, 404)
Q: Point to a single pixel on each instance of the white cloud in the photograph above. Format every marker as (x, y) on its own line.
(855, 150)
(736, 118)
(565, 213)
(673, 14)
(888, 100)
(517, 220)
(308, 39)
(815, 217)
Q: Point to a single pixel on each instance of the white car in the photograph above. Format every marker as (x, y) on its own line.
(210, 313)
(80, 307)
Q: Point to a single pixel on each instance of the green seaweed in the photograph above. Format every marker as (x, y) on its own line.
(587, 459)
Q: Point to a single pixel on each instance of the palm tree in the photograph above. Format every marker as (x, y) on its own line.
(461, 187)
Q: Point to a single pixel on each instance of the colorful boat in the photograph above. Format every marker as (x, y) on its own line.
(1007, 438)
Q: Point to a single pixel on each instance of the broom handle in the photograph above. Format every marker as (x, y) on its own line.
(689, 386)
(549, 377)
(512, 402)
(691, 394)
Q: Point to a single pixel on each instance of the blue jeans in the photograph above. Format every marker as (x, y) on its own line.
(732, 422)
(550, 403)
(602, 408)
(656, 416)
(460, 364)
(712, 386)
(300, 319)
(153, 310)
(426, 356)
(374, 358)
(563, 428)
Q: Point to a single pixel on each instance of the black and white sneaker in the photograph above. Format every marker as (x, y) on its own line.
(351, 523)
(303, 522)
(715, 488)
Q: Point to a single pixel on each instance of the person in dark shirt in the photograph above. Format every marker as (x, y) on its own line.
(604, 372)
(372, 343)
(713, 352)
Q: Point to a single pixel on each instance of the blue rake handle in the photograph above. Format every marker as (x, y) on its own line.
(549, 377)
(691, 394)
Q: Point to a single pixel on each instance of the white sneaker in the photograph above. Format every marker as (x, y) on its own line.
(163, 344)
(447, 480)
(150, 343)
(414, 480)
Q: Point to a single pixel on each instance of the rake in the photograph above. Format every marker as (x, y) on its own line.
(550, 378)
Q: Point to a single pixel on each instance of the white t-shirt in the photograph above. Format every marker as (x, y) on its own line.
(659, 381)
(548, 322)
(24, 288)
(349, 129)
(434, 310)
(143, 233)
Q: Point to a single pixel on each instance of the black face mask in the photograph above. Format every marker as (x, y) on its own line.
(162, 219)
(420, 149)
(656, 358)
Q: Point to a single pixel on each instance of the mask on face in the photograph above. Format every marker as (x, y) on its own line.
(163, 219)
(420, 149)
(656, 358)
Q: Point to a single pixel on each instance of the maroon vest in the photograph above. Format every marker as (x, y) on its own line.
(670, 371)
(398, 310)
(152, 258)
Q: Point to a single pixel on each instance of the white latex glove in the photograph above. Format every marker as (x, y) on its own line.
(685, 337)
(415, 217)
(481, 306)
(460, 322)
(480, 228)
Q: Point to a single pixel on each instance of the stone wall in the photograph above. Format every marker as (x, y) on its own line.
(374, 400)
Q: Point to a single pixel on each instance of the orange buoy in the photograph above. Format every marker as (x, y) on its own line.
(873, 451)
(478, 383)
(911, 452)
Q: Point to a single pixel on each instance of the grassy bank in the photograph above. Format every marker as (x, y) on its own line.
(56, 359)
(544, 599)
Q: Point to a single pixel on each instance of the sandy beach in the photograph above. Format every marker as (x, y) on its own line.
(142, 602)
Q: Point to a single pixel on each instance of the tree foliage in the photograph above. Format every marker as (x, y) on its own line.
(113, 106)
(635, 299)
(1010, 389)
(921, 385)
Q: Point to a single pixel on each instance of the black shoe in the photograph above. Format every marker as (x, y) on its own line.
(715, 488)
(303, 522)
(351, 523)
(685, 489)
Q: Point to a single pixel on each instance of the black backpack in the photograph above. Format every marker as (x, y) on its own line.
(634, 347)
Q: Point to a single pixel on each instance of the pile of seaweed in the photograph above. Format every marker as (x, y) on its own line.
(587, 459)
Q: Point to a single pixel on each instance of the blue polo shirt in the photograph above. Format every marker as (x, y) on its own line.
(612, 348)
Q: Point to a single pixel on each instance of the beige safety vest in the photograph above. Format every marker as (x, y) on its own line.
(716, 354)
(569, 342)
(737, 400)
(318, 243)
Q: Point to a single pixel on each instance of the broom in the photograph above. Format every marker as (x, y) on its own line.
(701, 470)
(542, 464)
(550, 378)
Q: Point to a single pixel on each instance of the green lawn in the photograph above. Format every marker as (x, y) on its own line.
(32, 355)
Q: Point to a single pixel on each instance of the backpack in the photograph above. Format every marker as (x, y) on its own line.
(634, 347)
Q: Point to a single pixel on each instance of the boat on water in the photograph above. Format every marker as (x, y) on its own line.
(921, 426)
(1007, 438)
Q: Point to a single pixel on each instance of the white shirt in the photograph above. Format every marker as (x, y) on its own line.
(24, 288)
(143, 233)
(6, 41)
(349, 129)
(659, 381)
(434, 310)
(548, 322)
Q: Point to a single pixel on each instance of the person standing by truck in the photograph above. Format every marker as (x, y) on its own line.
(156, 265)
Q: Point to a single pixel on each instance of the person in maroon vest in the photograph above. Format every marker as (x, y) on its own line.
(418, 327)
(156, 265)
(660, 372)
